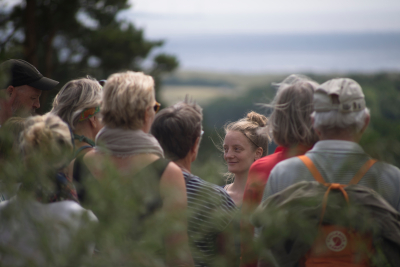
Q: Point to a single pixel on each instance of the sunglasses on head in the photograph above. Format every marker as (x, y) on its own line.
(157, 107)
(102, 82)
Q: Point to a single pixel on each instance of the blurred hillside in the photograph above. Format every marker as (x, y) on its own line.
(228, 97)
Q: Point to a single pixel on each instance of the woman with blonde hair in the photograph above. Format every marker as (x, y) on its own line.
(41, 226)
(78, 104)
(152, 189)
(246, 141)
(291, 128)
(46, 142)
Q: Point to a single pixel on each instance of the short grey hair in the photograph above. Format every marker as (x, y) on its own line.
(74, 97)
(335, 119)
(127, 95)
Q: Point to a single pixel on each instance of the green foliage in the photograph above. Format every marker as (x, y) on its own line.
(68, 39)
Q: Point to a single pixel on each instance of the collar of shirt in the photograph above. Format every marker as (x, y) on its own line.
(337, 145)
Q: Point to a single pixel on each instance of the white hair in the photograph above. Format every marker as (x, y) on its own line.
(74, 97)
(336, 119)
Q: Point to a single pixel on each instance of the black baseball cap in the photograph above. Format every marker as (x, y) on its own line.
(24, 73)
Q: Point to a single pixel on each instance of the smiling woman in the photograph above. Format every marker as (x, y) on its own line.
(245, 141)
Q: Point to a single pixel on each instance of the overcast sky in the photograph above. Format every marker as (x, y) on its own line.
(163, 18)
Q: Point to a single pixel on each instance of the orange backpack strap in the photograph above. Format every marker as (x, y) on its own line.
(318, 177)
(311, 167)
(362, 171)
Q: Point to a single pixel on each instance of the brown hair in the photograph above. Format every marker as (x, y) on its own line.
(254, 127)
(177, 127)
(290, 122)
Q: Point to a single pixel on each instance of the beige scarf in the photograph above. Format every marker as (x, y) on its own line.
(123, 143)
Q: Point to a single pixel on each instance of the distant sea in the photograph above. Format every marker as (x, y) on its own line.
(287, 53)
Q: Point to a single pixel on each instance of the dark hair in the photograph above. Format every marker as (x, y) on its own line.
(177, 127)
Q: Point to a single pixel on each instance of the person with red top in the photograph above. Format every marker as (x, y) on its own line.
(291, 128)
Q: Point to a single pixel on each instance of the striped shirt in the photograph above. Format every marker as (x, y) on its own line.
(338, 162)
(210, 211)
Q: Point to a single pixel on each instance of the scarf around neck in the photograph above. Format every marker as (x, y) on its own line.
(122, 143)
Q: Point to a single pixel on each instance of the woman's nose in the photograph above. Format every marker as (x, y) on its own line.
(228, 154)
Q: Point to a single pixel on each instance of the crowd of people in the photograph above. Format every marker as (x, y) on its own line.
(318, 200)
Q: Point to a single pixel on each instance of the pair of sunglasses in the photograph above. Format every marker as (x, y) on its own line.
(102, 82)
(157, 107)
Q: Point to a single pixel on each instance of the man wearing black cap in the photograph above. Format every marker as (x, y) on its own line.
(23, 89)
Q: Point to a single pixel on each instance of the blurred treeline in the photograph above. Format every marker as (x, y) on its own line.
(69, 39)
(381, 140)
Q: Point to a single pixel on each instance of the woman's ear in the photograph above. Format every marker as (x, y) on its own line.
(196, 145)
(148, 119)
(259, 152)
(147, 114)
(93, 121)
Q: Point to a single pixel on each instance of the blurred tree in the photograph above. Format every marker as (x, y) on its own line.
(67, 39)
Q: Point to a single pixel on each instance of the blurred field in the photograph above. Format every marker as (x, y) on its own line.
(205, 87)
(202, 94)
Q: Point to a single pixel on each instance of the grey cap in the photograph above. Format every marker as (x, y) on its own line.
(347, 91)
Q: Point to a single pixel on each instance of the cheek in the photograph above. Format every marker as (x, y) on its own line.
(250, 158)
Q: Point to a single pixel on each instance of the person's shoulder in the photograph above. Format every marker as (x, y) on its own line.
(386, 166)
(171, 169)
(65, 210)
(269, 160)
(89, 155)
(387, 169)
(202, 184)
(288, 165)
(216, 193)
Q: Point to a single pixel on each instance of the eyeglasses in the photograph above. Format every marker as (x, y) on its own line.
(157, 107)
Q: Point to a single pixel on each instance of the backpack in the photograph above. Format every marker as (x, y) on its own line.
(337, 245)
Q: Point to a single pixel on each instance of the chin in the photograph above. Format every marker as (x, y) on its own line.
(232, 170)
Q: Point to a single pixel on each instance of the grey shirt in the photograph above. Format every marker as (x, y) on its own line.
(338, 162)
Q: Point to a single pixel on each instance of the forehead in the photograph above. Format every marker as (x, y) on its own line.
(29, 90)
(236, 138)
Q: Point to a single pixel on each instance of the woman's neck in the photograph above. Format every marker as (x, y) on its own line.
(79, 142)
(82, 133)
(239, 183)
(236, 189)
